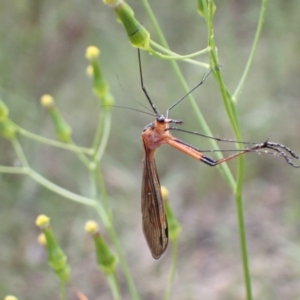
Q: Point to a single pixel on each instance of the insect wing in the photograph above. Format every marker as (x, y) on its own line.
(155, 225)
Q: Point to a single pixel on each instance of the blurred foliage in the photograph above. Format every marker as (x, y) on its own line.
(42, 51)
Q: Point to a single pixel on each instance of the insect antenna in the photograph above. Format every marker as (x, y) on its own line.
(195, 87)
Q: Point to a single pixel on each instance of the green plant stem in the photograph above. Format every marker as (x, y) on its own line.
(132, 289)
(82, 157)
(13, 170)
(18, 149)
(55, 188)
(54, 143)
(80, 151)
(252, 52)
(113, 284)
(231, 112)
(172, 55)
(173, 270)
(104, 138)
(98, 179)
(59, 190)
(99, 191)
(62, 290)
(99, 129)
(224, 169)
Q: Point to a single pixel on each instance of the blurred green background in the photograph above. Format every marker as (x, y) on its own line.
(42, 51)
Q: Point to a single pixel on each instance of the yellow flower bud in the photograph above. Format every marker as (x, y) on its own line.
(10, 297)
(47, 101)
(42, 221)
(91, 227)
(92, 52)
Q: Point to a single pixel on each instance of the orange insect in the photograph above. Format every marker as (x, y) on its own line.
(157, 133)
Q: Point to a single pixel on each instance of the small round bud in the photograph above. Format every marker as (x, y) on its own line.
(10, 297)
(42, 221)
(92, 52)
(91, 227)
(47, 101)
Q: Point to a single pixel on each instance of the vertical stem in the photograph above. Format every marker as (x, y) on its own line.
(231, 112)
(173, 269)
(113, 283)
(62, 290)
(242, 231)
(101, 192)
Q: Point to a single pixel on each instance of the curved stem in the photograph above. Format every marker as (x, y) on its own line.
(59, 190)
(104, 137)
(19, 152)
(98, 132)
(172, 55)
(253, 48)
(53, 143)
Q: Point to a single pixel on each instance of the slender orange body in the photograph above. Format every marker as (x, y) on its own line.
(155, 224)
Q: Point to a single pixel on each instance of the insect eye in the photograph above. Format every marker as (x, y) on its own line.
(160, 119)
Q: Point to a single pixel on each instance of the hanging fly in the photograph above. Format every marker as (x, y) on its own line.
(157, 133)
